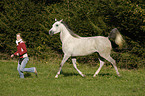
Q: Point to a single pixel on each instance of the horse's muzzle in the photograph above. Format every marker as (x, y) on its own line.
(51, 32)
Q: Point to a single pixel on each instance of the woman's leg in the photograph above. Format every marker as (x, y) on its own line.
(20, 73)
(23, 64)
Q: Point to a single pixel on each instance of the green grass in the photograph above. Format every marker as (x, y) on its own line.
(70, 83)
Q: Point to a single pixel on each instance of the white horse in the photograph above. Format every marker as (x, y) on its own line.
(74, 45)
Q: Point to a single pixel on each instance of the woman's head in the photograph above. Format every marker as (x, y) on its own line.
(18, 36)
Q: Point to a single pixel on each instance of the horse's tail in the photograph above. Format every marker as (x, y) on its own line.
(115, 34)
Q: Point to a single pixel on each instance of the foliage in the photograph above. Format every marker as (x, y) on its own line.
(19, 17)
(33, 18)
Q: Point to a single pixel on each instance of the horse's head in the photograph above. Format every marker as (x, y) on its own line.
(55, 27)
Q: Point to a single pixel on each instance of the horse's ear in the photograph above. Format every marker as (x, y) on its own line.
(55, 19)
(61, 20)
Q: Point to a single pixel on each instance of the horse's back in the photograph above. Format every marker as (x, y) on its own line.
(98, 40)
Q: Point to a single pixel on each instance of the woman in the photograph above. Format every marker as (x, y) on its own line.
(23, 57)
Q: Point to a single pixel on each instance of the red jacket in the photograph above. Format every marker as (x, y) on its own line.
(21, 49)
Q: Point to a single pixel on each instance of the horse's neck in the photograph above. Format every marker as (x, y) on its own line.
(64, 34)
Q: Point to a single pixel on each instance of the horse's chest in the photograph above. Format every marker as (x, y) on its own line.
(67, 48)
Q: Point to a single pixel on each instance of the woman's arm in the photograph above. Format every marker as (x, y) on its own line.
(16, 53)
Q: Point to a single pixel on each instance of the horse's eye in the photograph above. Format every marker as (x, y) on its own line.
(56, 25)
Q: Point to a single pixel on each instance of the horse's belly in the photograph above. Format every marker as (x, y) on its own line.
(82, 51)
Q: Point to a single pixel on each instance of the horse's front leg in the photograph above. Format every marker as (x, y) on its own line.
(75, 66)
(62, 62)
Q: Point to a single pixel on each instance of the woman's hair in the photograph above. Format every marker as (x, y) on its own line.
(20, 37)
(19, 34)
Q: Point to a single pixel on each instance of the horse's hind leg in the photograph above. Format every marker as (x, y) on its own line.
(62, 62)
(101, 65)
(110, 59)
(75, 66)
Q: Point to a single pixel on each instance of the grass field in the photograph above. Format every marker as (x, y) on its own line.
(70, 83)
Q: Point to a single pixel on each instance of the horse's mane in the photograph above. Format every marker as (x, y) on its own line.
(70, 31)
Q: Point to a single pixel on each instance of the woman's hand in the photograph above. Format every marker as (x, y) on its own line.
(17, 54)
(12, 55)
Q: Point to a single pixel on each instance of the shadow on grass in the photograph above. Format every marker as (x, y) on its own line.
(105, 74)
(66, 74)
(109, 75)
(27, 75)
(100, 74)
(69, 74)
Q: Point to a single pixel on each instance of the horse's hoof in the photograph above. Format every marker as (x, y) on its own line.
(84, 76)
(119, 75)
(56, 76)
(94, 76)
